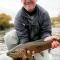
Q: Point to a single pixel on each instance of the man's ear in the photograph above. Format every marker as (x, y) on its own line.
(21, 0)
(36, 0)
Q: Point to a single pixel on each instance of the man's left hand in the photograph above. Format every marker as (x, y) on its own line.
(55, 43)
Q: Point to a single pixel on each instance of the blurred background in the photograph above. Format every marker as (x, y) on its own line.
(9, 9)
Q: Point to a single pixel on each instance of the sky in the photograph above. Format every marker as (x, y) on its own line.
(11, 7)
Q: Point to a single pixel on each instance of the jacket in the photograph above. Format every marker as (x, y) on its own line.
(29, 29)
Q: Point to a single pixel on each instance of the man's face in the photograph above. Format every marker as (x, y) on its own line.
(29, 5)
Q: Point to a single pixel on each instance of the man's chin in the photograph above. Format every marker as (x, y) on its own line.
(30, 10)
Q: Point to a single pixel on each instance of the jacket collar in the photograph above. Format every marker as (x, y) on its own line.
(24, 13)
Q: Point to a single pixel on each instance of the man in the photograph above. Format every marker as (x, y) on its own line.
(32, 23)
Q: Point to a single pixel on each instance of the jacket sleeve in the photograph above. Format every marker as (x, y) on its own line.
(46, 25)
(21, 30)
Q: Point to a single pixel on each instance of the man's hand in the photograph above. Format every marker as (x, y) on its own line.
(55, 43)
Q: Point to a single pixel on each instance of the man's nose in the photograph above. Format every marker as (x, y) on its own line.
(28, 0)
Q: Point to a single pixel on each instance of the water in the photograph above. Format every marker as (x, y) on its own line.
(3, 48)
